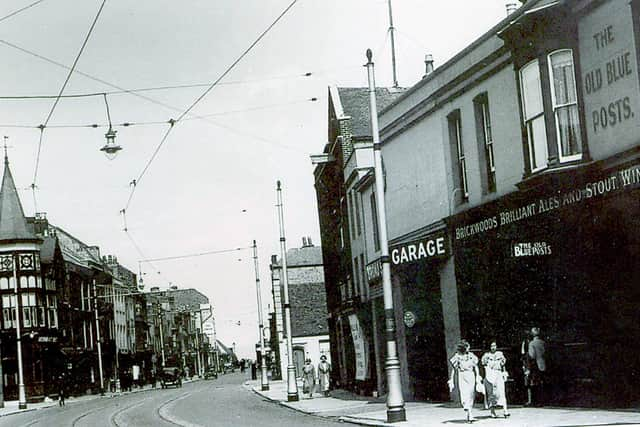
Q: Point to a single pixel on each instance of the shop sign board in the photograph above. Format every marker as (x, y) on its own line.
(609, 78)
(531, 249)
(359, 348)
(614, 182)
(374, 271)
(434, 246)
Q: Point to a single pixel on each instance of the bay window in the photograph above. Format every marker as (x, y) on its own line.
(533, 113)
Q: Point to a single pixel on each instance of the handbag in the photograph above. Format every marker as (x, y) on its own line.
(479, 388)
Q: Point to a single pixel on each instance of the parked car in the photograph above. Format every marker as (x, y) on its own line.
(228, 367)
(210, 373)
(170, 376)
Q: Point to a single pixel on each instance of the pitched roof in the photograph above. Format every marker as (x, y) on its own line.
(355, 104)
(13, 224)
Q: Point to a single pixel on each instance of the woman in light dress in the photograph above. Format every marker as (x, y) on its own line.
(309, 377)
(324, 369)
(465, 376)
(494, 377)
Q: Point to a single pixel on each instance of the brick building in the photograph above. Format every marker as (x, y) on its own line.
(307, 297)
(353, 308)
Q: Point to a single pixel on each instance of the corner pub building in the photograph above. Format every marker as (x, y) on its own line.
(562, 251)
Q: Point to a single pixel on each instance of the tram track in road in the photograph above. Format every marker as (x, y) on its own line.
(168, 418)
(76, 420)
(113, 418)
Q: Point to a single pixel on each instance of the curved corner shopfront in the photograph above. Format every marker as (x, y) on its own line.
(566, 260)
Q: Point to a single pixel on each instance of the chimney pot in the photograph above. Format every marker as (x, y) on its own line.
(309, 241)
(428, 64)
(304, 242)
(511, 7)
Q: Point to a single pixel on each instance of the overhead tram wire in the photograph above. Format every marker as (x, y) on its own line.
(171, 258)
(64, 85)
(142, 255)
(201, 97)
(162, 122)
(150, 89)
(162, 104)
(21, 10)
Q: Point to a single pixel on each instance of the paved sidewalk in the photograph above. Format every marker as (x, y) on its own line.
(11, 406)
(351, 408)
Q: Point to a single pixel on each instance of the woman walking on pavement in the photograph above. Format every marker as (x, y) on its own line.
(324, 368)
(465, 372)
(309, 376)
(494, 377)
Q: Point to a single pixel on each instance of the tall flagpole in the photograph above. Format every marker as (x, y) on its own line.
(292, 386)
(263, 366)
(395, 400)
(393, 46)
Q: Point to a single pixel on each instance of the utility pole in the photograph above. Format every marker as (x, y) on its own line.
(161, 337)
(395, 400)
(95, 309)
(392, 31)
(264, 380)
(292, 386)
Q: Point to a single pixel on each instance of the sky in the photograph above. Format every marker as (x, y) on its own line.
(211, 185)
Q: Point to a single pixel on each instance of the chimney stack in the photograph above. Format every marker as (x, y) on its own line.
(428, 64)
(511, 7)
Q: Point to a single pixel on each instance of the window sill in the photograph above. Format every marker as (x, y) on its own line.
(554, 175)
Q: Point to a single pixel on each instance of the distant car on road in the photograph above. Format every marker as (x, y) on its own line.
(170, 376)
(210, 373)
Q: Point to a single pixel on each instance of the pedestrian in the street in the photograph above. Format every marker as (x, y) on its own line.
(61, 389)
(324, 369)
(465, 376)
(309, 377)
(537, 367)
(495, 376)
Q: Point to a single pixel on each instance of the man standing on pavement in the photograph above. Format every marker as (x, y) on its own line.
(538, 367)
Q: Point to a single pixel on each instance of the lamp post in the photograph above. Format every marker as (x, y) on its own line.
(264, 379)
(292, 386)
(395, 401)
(22, 397)
(161, 337)
(95, 307)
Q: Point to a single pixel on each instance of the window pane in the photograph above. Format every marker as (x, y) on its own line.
(531, 91)
(538, 143)
(568, 130)
(564, 85)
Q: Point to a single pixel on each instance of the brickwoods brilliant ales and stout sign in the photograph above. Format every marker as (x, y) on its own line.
(620, 180)
(609, 78)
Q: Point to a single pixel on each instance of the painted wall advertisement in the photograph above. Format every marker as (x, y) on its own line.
(609, 78)
(360, 348)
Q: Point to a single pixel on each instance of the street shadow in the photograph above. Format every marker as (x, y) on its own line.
(464, 421)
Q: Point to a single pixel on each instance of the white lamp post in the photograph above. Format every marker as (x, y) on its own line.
(292, 385)
(264, 379)
(395, 401)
